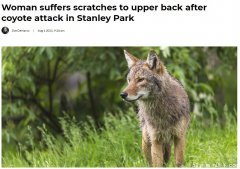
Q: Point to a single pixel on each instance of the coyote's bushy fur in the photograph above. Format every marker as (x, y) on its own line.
(163, 108)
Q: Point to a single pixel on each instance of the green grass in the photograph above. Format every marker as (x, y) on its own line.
(119, 145)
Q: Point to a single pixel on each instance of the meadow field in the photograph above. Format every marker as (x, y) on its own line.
(118, 144)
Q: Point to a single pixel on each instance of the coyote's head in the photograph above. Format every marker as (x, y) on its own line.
(145, 78)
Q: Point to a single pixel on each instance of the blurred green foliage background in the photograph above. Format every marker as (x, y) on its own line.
(41, 85)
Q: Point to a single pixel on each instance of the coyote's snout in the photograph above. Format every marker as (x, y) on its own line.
(163, 108)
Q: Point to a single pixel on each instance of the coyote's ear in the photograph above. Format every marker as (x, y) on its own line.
(131, 60)
(154, 62)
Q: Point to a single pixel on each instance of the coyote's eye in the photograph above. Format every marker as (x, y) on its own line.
(140, 80)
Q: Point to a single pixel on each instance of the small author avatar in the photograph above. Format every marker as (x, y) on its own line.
(5, 30)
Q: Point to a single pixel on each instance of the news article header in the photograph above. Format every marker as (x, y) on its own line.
(112, 22)
(84, 12)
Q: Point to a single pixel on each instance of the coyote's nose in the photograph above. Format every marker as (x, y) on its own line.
(124, 95)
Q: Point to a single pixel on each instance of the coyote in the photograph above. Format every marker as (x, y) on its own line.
(163, 108)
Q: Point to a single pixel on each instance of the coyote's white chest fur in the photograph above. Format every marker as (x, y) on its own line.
(159, 124)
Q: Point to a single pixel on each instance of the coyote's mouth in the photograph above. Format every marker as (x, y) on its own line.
(134, 99)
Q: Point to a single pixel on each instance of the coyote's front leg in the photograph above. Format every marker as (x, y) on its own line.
(157, 153)
(146, 146)
(179, 146)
